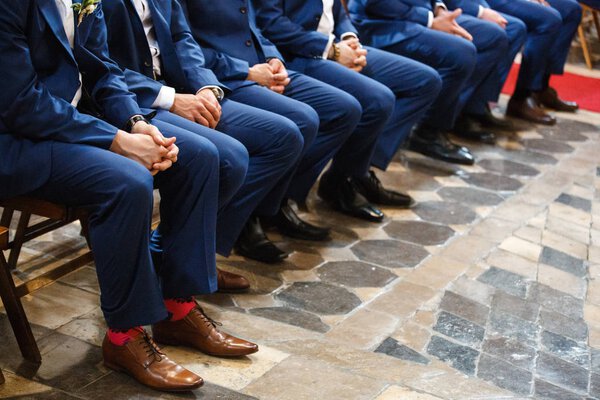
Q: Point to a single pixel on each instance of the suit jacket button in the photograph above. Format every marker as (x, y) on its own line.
(248, 42)
(243, 10)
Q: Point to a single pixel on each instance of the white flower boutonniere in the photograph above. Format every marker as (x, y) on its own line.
(85, 8)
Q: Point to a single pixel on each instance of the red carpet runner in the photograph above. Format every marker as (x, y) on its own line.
(584, 90)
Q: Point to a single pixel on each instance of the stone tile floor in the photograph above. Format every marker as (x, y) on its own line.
(488, 289)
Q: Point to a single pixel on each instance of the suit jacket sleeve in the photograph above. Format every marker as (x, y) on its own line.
(145, 89)
(27, 108)
(287, 35)
(397, 9)
(343, 24)
(190, 53)
(110, 89)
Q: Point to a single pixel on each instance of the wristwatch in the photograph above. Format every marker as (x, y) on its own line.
(218, 92)
(336, 52)
(134, 120)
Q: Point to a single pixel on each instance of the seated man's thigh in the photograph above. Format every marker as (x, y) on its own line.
(485, 34)
(83, 175)
(434, 48)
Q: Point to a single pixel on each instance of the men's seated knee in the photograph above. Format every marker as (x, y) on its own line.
(549, 21)
(463, 57)
(573, 12)
(380, 101)
(432, 82)
(234, 159)
(134, 184)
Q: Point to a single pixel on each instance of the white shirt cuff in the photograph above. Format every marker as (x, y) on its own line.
(481, 8)
(218, 89)
(328, 47)
(348, 34)
(430, 19)
(165, 98)
(439, 4)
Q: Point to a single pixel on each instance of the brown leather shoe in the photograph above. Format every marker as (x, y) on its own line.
(231, 283)
(200, 332)
(549, 98)
(142, 359)
(529, 110)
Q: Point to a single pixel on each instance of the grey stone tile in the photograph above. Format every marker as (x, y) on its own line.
(505, 280)
(390, 253)
(50, 395)
(445, 213)
(563, 261)
(505, 375)
(555, 300)
(512, 351)
(460, 357)
(568, 126)
(419, 232)
(563, 373)
(392, 347)
(595, 360)
(68, 363)
(566, 349)
(595, 385)
(572, 328)
(355, 274)
(545, 390)
(320, 298)
(530, 157)
(465, 308)
(547, 146)
(515, 328)
(459, 329)
(292, 317)
(469, 195)
(516, 306)
(490, 181)
(507, 167)
(117, 386)
(575, 202)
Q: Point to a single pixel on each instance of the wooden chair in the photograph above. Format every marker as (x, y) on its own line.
(55, 216)
(588, 14)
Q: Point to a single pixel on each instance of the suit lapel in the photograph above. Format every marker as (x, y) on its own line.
(50, 13)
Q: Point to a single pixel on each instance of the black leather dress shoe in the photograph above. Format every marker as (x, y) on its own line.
(371, 188)
(435, 144)
(549, 98)
(489, 120)
(254, 244)
(290, 224)
(344, 197)
(468, 128)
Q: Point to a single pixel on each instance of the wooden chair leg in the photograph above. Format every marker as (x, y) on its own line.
(16, 314)
(1, 378)
(19, 239)
(584, 47)
(595, 14)
(7, 215)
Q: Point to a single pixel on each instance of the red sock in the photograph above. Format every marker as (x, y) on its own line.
(120, 337)
(179, 308)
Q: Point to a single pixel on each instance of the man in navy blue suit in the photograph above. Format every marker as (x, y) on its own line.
(245, 60)
(551, 26)
(54, 64)
(165, 67)
(317, 38)
(464, 50)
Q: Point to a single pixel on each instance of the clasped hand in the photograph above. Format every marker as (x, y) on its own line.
(352, 54)
(272, 75)
(203, 107)
(147, 146)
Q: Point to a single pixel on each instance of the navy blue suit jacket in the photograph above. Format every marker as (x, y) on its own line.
(386, 22)
(292, 25)
(230, 39)
(469, 7)
(183, 62)
(39, 76)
